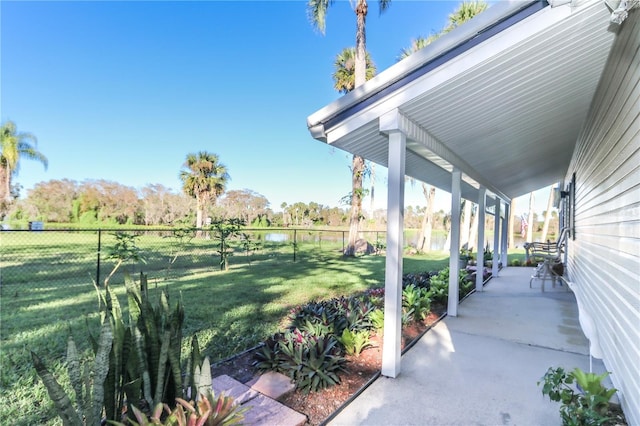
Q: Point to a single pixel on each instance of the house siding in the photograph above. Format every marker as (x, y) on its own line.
(604, 252)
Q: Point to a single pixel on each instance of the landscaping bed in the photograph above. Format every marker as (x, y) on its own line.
(359, 370)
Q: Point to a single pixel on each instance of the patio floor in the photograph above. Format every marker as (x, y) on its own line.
(482, 367)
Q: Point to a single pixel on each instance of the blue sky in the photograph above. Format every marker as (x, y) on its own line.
(124, 90)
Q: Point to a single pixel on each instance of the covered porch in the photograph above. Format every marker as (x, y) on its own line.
(488, 112)
(483, 366)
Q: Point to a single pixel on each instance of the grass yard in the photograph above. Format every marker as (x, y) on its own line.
(230, 311)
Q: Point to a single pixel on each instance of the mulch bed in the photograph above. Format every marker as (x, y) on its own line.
(319, 406)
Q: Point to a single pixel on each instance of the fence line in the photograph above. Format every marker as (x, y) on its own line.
(74, 256)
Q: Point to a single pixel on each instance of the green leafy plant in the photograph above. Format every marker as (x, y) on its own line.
(439, 286)
(354, 342)
(377, 318)
(311, 363)
(223, 231)
(416, 302)
(87, 381)
(142, 358)
(590, 405)
(249, 245)
(182, 236)
(124, 250)
(209, 410)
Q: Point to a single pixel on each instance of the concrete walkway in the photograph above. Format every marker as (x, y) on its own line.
(482, 367)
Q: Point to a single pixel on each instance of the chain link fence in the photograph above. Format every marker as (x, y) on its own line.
(41, 257)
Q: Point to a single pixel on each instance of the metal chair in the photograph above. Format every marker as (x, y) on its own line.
(547, 256)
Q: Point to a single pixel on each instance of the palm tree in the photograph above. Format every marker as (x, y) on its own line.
(344, 82)
(205, 179)
(317, 12)
(15, 146)
(344, 76)
(465, 11)
(418, 44)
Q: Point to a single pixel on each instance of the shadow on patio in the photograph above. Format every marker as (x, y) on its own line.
(483, 366)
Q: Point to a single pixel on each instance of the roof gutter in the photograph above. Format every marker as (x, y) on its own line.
(484, 26)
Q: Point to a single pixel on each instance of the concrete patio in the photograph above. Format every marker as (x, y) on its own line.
(482, 367)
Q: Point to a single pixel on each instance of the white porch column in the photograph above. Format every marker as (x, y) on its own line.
(391, 347)
(454, 251)
(482, 192)
(505, 235)
(496, 240)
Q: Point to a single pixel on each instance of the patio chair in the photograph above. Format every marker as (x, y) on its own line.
(549, 259)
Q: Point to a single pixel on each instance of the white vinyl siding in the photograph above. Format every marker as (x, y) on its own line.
(604, 257)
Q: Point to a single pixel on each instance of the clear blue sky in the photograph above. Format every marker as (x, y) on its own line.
(124, 90)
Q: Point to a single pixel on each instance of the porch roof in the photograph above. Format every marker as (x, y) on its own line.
(502, 98)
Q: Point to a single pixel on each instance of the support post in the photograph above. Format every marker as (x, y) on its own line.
(482, 192)
(391, 348)
(505, 236)
(496, 240)
(454, 256)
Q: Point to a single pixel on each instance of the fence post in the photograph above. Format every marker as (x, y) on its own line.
(98, 263)
(342, 242)
(295, 244)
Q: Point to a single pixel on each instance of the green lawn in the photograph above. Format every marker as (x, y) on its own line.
(50, 295)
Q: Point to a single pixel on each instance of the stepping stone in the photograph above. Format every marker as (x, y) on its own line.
(264, 411)
(272, 384)
(233, 388)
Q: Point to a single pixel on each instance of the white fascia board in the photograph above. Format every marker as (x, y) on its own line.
(464, 62)
(470, 29)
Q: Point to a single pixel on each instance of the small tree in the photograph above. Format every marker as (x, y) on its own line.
(223, 230)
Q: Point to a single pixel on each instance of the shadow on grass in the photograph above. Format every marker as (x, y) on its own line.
(229, 311)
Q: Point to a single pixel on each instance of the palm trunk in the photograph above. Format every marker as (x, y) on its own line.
(361, 43)
(473, 233)
(5, 184)
(373, 193)
(466, 224)
(530, 219)
(512, 216)
(356, 204)
(424, 238)
(357, 168)
(547, 217)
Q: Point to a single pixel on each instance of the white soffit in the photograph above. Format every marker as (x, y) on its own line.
(510, 108)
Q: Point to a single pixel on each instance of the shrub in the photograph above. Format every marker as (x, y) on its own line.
(312, 363)
(588, 407)
(377, 318)
(416, 302)
(354, 342)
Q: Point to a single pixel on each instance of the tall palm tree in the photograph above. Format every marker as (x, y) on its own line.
(317, 12)
(344, 81)
(15, 146)
(344, 76)
(205, 179)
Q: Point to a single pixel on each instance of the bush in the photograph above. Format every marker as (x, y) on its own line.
(416, 303)
(590, 406)
(312, 363)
